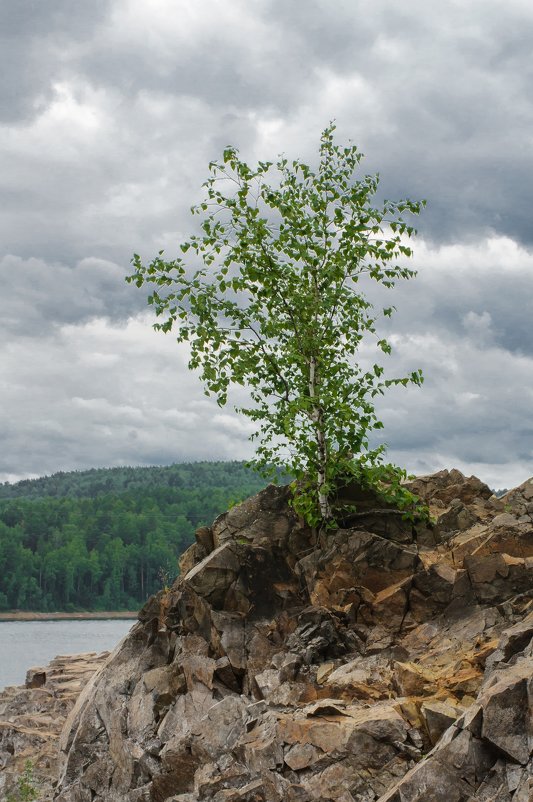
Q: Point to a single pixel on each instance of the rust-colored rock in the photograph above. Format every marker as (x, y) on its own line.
(391, 662)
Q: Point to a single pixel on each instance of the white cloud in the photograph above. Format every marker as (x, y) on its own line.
(136, 403)
(99, 392)
(108, 120)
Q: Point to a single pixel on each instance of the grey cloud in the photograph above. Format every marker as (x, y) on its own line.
(473, 410)
(33, 18)
(42, 296)
(86, 181)
(469, 300)
(101, 394)
(440, 101)
(111, 115)
(453, 108)
(35, 38)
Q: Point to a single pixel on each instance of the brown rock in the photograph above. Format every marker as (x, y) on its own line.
(497, 577)
(324, 671)
(212, 577)
(32, 716)
(280, 669)
(457, 518)
(301, 756)
(445, 486)
(507, 716)
(412, 680)
(261, 749)
(190, 558)
(35, 678)
(438, 717)
(517, 638)
(204, 538)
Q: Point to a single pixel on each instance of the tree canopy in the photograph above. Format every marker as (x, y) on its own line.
(103, 539)
(272, 295)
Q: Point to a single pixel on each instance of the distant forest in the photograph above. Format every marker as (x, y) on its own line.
(105, 539)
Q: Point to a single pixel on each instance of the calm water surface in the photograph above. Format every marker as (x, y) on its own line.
(24, 644)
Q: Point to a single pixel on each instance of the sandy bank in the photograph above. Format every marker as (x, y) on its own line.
(26, 615)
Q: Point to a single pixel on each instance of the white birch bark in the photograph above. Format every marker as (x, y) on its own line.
(317, 418)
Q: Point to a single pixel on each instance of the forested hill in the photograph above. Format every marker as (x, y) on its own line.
(99, 481)
(106, 539)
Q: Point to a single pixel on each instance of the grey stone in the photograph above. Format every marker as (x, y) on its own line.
(379, 663)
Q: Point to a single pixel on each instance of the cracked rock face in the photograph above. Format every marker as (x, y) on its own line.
(32, 716)
(392, 662)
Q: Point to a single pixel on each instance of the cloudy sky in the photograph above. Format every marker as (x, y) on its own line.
(110, 111)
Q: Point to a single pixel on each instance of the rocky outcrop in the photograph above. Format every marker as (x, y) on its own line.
(391, 662)
(32, 717)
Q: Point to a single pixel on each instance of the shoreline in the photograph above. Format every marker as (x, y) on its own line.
(27, 615)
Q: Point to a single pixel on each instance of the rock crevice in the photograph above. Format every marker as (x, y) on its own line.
(392, 663)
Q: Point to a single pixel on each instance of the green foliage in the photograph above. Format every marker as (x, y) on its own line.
(386, 480)
(27, 786)
(61, 551)
(274, 297)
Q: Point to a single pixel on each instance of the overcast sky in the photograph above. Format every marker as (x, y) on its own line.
(110, 111)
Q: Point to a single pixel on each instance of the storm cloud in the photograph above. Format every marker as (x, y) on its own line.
(109, 114)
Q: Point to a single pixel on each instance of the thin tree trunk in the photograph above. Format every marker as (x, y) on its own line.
(322, 455)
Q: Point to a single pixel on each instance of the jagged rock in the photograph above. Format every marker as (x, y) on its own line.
(506, 706)
(32, 716)
(278, 669)
(517, 638)
(438, 716)
(520, 500)
(213, 576)
(35, 678)
(495, 577)
(445, 486)
(204, 538)
(411, 680)
(458, 517)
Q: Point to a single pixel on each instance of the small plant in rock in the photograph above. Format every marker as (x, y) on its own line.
(388, 481)
(164, 578)
(27, 786)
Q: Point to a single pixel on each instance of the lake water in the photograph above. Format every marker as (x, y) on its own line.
(24, 644)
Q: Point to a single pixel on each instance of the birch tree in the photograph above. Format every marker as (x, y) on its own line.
(272, 295)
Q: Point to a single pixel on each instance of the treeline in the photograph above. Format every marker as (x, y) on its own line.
(107, 539)
(98, 481)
